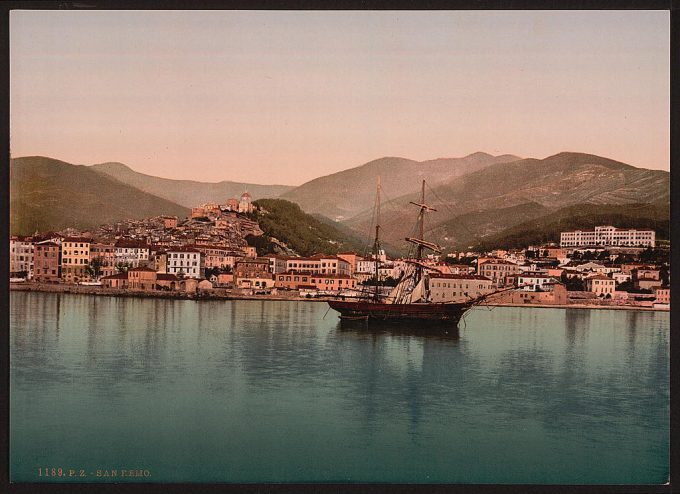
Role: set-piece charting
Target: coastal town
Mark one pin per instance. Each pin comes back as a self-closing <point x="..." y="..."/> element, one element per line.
<point x="208" y="255"/>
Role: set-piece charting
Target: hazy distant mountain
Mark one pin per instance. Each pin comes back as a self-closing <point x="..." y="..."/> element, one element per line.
<point x="552" y="183"/>
<point x="187" y="193"/>
<point x="48" y="194"/>
<point x="347" y="193"/>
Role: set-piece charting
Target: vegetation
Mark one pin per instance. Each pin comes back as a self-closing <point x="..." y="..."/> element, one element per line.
<point x="302" y="232"/>
<point x="94" y="269"/>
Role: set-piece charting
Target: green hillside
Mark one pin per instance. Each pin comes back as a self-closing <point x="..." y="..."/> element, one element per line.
<point x="302" y="232"/>
<point x="48" y="194"/>
<point x="547" y="228"/>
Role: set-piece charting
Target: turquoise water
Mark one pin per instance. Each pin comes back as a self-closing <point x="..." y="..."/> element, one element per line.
<point x="251" y="391"/>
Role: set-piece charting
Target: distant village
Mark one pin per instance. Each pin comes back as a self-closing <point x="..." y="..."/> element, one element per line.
<point x="208" y="254"/>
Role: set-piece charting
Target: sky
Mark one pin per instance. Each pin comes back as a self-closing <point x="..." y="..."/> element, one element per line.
<point x="284" y="97"/>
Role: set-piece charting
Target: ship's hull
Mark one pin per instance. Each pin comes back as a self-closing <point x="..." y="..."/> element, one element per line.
<point x="369" y="311"/>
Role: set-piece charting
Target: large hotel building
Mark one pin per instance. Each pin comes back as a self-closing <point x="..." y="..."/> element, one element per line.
<point x="608" y="236"/>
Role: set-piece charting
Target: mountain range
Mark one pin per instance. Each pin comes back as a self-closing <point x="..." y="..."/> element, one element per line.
<point x="48" y="194"/>
<point x="488" y="201"/>
<point x="480" y="199"/>
<point x="347" y="193"/>
<point x="187" y="193"/>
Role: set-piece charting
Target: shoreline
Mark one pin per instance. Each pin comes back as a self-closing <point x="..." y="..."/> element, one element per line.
<point x="224" y="294"/>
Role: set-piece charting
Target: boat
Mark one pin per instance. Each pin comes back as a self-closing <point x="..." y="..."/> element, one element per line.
<point x="409" y="301"/>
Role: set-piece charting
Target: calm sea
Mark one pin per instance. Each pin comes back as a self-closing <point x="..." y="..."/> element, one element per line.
<point x="251" y="391"/>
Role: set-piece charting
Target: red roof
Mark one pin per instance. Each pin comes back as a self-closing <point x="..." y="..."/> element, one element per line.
<point x="118" y="276"/>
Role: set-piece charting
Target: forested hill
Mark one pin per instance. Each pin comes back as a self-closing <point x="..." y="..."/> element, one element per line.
<point x="301" y="232"/>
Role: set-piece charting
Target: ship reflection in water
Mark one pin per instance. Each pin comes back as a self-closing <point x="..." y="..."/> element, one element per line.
<point x="248" y="391"/>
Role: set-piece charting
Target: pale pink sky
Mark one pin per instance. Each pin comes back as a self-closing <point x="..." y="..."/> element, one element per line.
<point x="284" y="97"/>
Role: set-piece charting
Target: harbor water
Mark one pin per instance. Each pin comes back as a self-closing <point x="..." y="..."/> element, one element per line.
<point x="267" y="391"/>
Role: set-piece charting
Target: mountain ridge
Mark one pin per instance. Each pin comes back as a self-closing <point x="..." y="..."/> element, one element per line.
<point x="558" y="181"/>
<point x="50" y="194"/>
<point x="187" y="193"/>
<point x="346" y="193"/>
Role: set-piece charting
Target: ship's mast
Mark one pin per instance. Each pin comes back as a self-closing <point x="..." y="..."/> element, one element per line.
<point x="421" y="226"/>
<point x="420" y="242"/>
<point x="376" y="242"/>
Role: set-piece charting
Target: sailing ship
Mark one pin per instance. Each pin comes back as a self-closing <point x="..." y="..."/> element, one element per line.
<point x="409" y="301"/>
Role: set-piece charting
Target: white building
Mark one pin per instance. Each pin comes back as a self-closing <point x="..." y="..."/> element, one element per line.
<point x="185" y="260"/>
<point x="133" y="253"/>
<point x="21" y="256"/>
<point x="532" y="282"/>
<point x="245" y="205"/>
<point x="608" y="236"/>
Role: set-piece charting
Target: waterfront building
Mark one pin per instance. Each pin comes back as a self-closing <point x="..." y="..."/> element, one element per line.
<point x="662" y="295"/>
<point x="254" y="282"/>
<point x="608" y="236"/>
<point x="21" y="251"/>
<point x="75" y="259"/>
<point x="185" y="260"/>
<point x="141" y="278"/>
<point x="47" y="262"/>
<point x="319" y="264"/>
<point x="552" y="293"/>
<point x="118" y="280"/>
<point x="600" y="285"/>
<point x="293" y="280"/>
<point x="497" y="270"/>
<point x="532" y="282"/>
<point x="458" y="288"/>
<point x="224" y="279"/>
<point x="167" y="281"/>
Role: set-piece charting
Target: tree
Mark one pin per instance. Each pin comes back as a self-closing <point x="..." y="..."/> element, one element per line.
<point x="122" y="267"/>
<point x="94" y="269"/>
